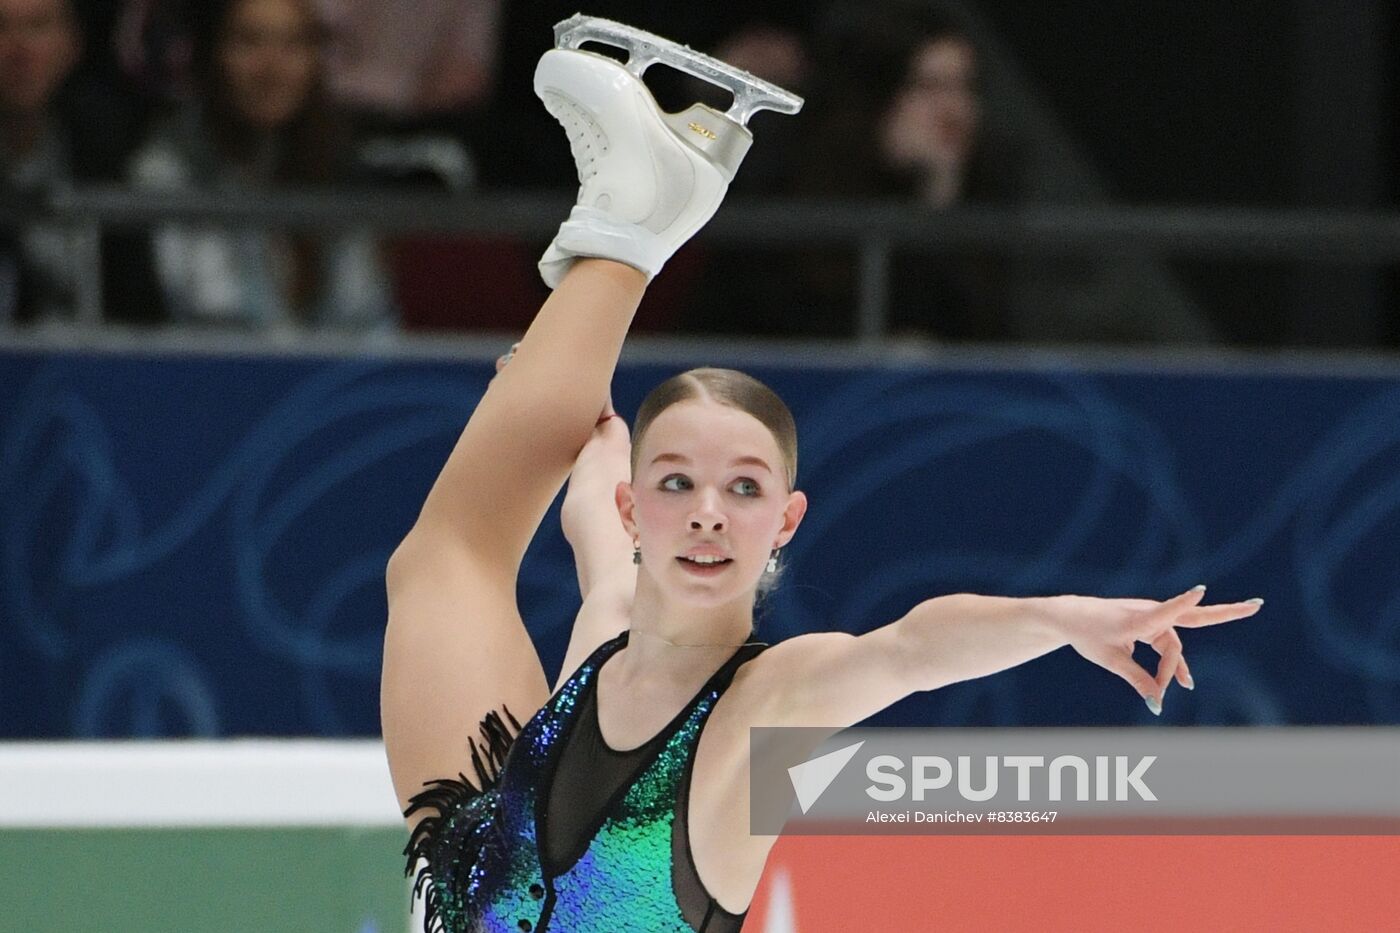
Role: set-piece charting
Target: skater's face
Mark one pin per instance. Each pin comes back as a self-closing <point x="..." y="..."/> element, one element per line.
<point x="38" y="47"/>
<point x="270" y="60"/>
<point x="710" y="480"/>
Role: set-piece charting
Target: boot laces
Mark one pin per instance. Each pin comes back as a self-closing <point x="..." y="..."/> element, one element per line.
<point x="587" y="142"/>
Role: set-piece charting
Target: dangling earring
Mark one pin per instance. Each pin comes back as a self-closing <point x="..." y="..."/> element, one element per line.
<point x="636" y="552"/>
<point x="773" y="561"/>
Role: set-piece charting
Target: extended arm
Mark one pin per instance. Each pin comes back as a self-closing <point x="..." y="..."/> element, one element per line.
<point x="837" y="679"/>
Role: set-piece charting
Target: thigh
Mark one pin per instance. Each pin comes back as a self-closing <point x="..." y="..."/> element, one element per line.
<point x="455" y="650"/>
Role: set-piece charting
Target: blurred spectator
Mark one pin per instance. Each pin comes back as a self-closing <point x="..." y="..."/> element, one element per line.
<point x="754" y="290"/>
<point x="932" y="132"/>
<point x="53" y="134"/>
<point x="413" y="57"/>
<point x="261" y="120"/>
<point x="893" y="110"/>
<point x="38" y="48"/>
<point x="935" y="148"/>
<point x="710" y="287"/>
<point x="903" y="114"/>
<point x="152" y="46"/>
<point x="775" y="51"/>
<point x="421" y="76"/>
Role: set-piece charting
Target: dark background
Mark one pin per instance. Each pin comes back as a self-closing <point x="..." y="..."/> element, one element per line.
<point x="1256" y="103"/>
<point x="1251" y="104"/>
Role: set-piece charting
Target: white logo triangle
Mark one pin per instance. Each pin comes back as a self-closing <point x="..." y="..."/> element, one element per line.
<point x="811" y="778"/>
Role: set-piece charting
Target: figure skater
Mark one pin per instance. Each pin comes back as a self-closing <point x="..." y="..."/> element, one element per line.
<point x="621" y="802"/>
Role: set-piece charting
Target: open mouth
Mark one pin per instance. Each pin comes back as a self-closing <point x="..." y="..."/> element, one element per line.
<point x="707" y="566"/>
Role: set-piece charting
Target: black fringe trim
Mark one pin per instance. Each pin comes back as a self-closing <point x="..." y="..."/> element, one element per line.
<point x="448" y="797"/>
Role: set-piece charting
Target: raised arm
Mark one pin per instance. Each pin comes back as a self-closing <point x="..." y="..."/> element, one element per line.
<point x="607" y="577"/>
<point x="589" y="516"/>
<point x="836" y="679"/>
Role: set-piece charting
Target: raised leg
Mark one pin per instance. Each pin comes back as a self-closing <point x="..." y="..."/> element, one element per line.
<point x="456" y="648"/>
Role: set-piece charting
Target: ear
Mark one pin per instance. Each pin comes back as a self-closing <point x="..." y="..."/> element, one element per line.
<point x="792" y="517"/>
<point x="626" y="507"/>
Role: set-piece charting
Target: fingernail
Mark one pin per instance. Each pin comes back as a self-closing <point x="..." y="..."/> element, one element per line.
<point x="1153" y="705"/>
<point x="1198" y="588"/>
<point x="1258" y="600"/>
<point x="1189" y="682"/>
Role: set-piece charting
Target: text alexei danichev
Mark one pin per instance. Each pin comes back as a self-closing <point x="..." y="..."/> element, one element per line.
<point x="962" y="816"/>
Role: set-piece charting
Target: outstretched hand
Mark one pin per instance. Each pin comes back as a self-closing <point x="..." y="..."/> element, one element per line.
<point x="1105" y="631"/>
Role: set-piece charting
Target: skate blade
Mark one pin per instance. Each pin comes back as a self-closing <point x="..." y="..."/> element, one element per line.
<point x="644" y="49"/>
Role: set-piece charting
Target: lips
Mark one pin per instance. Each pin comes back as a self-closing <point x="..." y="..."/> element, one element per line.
<point x="705" y="569"/>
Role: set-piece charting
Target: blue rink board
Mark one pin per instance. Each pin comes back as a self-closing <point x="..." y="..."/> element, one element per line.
<point x="194" y="545"/>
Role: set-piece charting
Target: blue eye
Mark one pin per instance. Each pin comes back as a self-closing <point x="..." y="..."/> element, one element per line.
<point x="746" y="487"/>
<point x="675" y="483"/>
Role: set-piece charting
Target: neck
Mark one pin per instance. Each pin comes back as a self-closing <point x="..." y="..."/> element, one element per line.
<point x="665" y="632"/>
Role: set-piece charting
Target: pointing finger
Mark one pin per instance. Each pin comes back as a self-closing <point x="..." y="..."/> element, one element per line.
<point x="1164" y="614"/>
<point x="1201" y="616"/>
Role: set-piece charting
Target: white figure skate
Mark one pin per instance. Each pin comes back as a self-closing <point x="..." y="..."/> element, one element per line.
<point x="648" y="179"/>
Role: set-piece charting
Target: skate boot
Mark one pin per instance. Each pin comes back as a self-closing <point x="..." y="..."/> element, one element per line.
<point x="648" y="179"/>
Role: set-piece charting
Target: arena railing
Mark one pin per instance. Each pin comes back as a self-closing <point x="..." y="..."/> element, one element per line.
<point x="872" y="228"/>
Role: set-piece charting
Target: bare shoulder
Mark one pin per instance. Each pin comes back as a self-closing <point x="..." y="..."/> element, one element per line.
<point x="831" y="679"/>
<point x="779" y="664"/>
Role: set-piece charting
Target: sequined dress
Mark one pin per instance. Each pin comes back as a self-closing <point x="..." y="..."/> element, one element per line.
<point x="568" y="835"/>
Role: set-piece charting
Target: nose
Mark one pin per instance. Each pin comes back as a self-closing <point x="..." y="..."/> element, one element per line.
<point x="707" y="516"/>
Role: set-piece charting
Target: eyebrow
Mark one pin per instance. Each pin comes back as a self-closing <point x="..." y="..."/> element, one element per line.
<point x="738" y="461"/>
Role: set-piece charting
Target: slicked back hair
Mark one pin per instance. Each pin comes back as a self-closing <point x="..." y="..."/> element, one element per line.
<point x="727" y="387"/>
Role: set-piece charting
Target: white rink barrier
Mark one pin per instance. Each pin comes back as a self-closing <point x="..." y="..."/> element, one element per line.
<point x="230" y="782"/>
